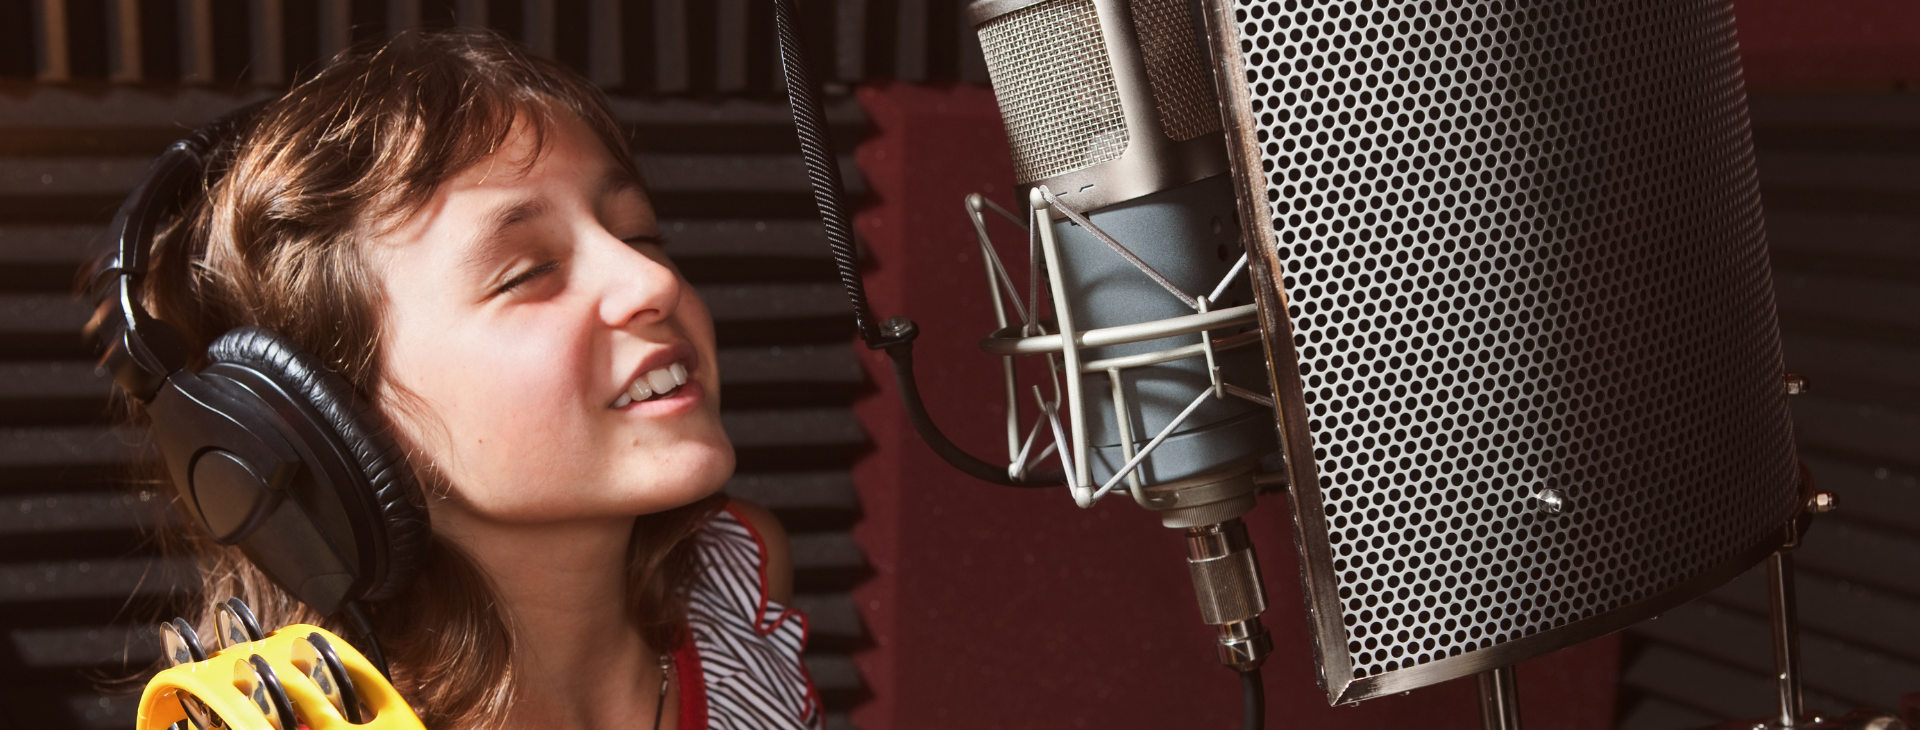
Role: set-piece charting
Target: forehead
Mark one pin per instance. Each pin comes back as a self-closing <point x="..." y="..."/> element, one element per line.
<point x="541" y="145"/>
<point x="536" y="167"/>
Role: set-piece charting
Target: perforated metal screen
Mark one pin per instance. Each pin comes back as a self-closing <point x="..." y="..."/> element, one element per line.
<point x="1055" y="86"/>
<point x="1519" y="249"/>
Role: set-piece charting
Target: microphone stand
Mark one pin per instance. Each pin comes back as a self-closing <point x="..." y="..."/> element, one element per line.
<point x="1784" y="614"/>
<point x="1499" y="699"/>
<point x="1783" y="611"/>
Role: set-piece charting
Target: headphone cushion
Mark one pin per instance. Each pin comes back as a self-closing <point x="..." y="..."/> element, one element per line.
<point x="360" y="428"/>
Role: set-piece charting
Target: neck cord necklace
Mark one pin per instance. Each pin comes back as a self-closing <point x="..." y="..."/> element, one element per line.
<point x="666" y="672"/>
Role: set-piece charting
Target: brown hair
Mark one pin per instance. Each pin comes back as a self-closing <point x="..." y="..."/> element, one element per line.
<point x="279" y="240"/>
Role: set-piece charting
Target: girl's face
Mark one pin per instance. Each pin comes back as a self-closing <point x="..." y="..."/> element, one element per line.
<point x="523" y="302"/>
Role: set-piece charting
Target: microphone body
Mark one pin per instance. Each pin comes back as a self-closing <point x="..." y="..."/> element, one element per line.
<point x="1190" y="235"/>
<point x="1110" y="109"/>
<point x="1200" y="475"/>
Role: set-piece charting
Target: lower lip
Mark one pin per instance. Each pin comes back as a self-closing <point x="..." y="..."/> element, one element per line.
<point x="683" y="399"/>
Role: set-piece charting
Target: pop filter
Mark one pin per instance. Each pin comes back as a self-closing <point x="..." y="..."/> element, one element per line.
<point x="1519" y="316"/>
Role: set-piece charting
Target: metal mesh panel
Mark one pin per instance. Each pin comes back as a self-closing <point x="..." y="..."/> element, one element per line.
<point x="1521" y="250"/>
<point x="1177" y="68"/>
<point x="1055" y="86"/>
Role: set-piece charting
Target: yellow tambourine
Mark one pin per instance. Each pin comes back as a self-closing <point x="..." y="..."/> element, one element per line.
<point x="298" y="676"/>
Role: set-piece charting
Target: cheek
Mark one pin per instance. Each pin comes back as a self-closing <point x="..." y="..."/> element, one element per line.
<point x="512" y="398"/>
<point x="505" y="412"/>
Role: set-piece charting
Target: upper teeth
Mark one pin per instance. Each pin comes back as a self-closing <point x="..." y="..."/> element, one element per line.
<point x="654" y="382"/>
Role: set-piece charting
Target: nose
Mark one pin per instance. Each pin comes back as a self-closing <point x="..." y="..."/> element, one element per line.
<point x="635" y="287"/>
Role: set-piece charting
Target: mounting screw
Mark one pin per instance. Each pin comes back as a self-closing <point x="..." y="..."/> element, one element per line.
<point x="1551" y="501"/>
<point x="896" y="326"/>
<point x="1822" y="503"/>
<point x="1796" y="383"/>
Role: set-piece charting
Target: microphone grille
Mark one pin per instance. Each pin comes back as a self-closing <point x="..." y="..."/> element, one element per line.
<point x="1177" y="69"/>
<point x="1054" y="82"/>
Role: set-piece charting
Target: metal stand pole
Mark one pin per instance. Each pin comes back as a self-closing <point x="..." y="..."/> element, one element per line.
<point x="1786" y="636"/>
<point x="1499" y="699"/>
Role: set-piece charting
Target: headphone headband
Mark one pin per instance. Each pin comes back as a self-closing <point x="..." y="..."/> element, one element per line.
<point x="143" y="350"/>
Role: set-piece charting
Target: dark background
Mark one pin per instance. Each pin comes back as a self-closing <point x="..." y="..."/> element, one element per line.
<point x="934" y="602"/>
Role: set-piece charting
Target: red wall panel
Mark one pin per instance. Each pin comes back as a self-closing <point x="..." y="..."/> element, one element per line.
<point x="1842" y="43"/>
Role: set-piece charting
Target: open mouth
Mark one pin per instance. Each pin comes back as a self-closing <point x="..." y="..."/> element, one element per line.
<point x="654" y="384"/>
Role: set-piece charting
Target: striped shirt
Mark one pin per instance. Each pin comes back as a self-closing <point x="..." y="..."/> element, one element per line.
<point x="742" y="670"/>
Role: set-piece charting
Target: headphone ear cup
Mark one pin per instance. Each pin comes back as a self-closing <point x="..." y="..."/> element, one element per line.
<point x="362" y="432"/>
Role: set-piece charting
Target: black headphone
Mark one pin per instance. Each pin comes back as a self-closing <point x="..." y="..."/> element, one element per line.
<point x="268" y="448"/>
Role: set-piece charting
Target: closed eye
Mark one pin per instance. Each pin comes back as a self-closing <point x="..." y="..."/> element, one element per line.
<point x="526" y="276"/>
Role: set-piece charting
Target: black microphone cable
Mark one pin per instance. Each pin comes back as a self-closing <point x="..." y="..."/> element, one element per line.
<point x="1253" y="699"/>
<point x="897" y="334"/>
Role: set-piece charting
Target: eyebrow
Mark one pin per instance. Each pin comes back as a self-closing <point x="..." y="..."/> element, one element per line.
<point x="619" y="180"/>
<point x="487" y="246"/>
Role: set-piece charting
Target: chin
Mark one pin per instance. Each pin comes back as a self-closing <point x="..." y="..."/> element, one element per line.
<point x="691" y="473"/>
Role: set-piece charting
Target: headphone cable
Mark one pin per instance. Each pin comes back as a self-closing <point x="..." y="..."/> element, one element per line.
<point x="362" y="626"/>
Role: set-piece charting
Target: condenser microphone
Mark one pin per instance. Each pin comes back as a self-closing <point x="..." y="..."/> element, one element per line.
<point x="1115" y="133"/>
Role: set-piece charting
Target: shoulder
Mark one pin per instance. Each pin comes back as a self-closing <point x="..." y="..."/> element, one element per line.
<point x="776" y="555"/>
<point x="746" y="640"/>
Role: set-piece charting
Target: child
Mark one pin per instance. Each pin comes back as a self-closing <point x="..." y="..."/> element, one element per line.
<point x="457" y="229"/>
